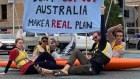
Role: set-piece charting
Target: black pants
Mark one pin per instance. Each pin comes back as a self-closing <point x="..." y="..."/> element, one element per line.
<point x="44" y="60"/>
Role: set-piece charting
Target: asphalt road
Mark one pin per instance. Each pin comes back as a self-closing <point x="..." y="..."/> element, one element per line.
<point x="121" y="74"/>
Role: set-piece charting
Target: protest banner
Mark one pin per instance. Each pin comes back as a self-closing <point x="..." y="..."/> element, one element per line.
<point x="62" y="16"/>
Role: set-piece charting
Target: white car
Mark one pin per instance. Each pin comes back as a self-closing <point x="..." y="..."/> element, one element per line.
<point x="32" y="39"/>
<point x="7" y="41"/>
<point x="79" y="40"/>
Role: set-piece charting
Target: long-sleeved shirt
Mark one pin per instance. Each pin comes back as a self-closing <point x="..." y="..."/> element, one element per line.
<point x="120" y="51"/>
<point x="13" y="55"/>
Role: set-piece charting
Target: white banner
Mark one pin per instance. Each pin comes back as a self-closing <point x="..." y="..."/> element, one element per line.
<point x="62" y="16"/>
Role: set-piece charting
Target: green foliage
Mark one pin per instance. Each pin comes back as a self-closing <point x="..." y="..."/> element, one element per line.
<point x="113" y="16"/>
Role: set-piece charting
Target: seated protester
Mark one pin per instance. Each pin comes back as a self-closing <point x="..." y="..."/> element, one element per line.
<point x="96" y="37"/>
<point x="44" y="47"/>
<point x="24" y="64"/>
<point x="118" y="46"/>
<point x="89" y="66"/>
<point x="54" y="48"/>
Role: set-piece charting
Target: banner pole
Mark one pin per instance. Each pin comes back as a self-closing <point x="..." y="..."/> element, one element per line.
<point x="108" y="13"/>
<point x="48" y="38"/>
<point x="86" y="44"/>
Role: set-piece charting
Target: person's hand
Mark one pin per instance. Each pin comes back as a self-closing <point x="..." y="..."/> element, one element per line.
<point x="118" y="27"/>
<point x="52" y="39"/>
<point x="88" y="57"/>
<point x="102" y="9"/>
<point x="3" y="73"/>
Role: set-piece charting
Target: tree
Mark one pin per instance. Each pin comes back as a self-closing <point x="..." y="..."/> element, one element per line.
<point x="113" y="18"/>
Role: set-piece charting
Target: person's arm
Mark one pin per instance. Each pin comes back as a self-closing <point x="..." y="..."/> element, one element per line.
<point x="8" y="66"/>
<point x="56" y="43"/>
<point x="110" y="34"/>
<point x="93" y="47"/>
<point x="12" y="56"/>
<point x="110" y="31"/>
<point x="102" y="42"/>
<point x="35" y="54"/>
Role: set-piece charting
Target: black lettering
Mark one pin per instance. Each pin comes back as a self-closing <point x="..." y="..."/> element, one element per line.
<point x="74" y="10"/>
<point x="85" y="10"/>
<point x="42" y="23"/>
<point x="77" y="24"/>
<point x="43" y="9"/>
<point x="49" y="10"/>
<point x="38" y="9"/>
<point x="30" y="22"/>
<point x="55" y="9"/>
<point x="80" y="10"/>
<point x="83" y="25"/>
<point x="42" y="0"/>
<point x="69" y="10"/>
<point x="61" y="12"/>
<point x="89" y="25"/>
<point x="47" y="23"/>
<point x="36" y="22"/>
<point x="34" y="0"/>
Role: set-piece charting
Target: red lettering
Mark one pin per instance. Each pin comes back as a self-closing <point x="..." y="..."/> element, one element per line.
<point x="94" y="0"/>
<point x="69" y="25"/>
<point x="58" y="23"/>
<point x="53" y="23"/>
<point x="64" y="24"/>
<point x="61" y="24"/>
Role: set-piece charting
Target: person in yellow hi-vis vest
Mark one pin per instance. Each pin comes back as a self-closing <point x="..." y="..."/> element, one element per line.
<point x="92" y="65"/>
<point x="118" y="46"/>
<point x="44" y="47"/>
<point x="25" y="64"/>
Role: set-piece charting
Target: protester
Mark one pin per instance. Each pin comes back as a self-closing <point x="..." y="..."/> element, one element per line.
<point x="44" y="47"/>
<point x="91" y="66"/>
<point x="24" y="64"/>
<point x="118" y="46"/>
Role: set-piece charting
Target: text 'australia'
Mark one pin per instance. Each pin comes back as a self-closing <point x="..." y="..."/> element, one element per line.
<point x="62" y="10"/>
